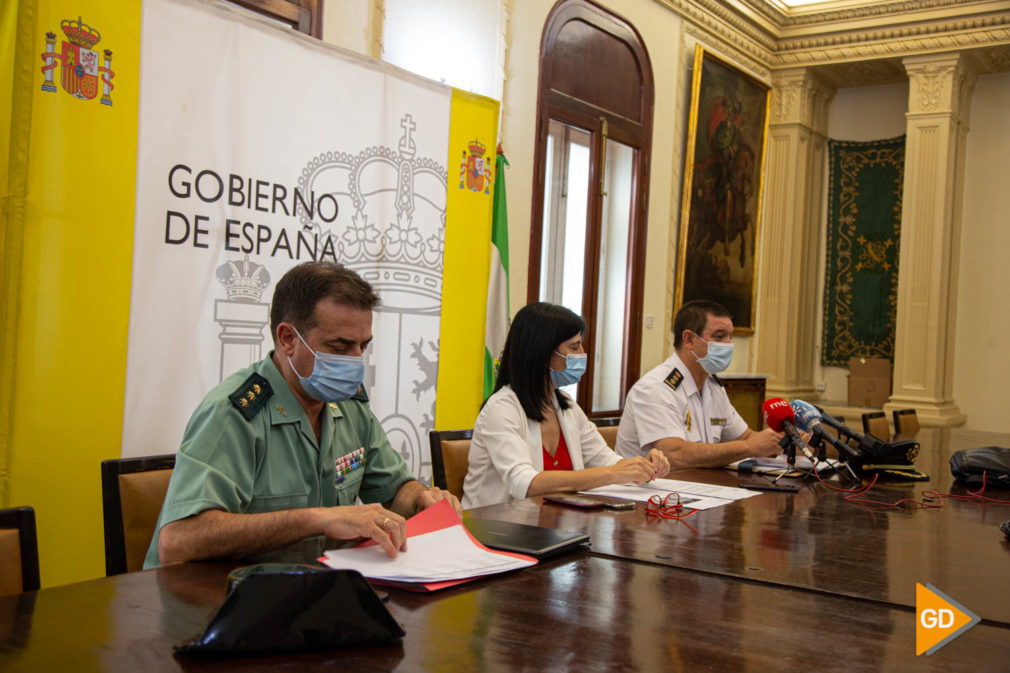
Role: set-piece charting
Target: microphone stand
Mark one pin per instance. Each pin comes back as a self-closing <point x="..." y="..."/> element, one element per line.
<point x="820" y="437"/>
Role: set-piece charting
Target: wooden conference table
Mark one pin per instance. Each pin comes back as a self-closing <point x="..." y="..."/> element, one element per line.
<point x="778" y="582"/>
<point x="815" y="540"/>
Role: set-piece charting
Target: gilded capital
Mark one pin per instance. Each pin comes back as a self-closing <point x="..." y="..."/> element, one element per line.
<point x="941" y="84"/>
<point x="799" y="97"/>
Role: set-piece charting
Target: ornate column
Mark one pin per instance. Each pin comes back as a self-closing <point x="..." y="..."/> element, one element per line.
<point x="793" y="192"/>
<point x="939" y="97"/>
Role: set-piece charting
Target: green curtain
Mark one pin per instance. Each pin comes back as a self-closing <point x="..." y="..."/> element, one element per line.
<point x="861" y="268"/>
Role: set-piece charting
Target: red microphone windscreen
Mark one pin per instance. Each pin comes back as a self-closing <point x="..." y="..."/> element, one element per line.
<point x="777" y="411"/>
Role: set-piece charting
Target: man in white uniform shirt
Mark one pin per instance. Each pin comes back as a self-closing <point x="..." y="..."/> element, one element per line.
<point x="681" y="408"/>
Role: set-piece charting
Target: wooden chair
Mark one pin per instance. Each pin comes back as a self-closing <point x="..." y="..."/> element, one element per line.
<point x="19" y="551"/>
<point x="450" y="459"/>
<point x="608" y="428"/>
<point x="133" y="490"/>
<point x="875" y="423"/>
<point x="906" y="422"/>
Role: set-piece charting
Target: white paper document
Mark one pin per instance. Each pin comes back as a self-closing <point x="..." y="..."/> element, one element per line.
<point x="692" y="494"/>
<point x="447" y="554"/>
<point x="779" y="464"/>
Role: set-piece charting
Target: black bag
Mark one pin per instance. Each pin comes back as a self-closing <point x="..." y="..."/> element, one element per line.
<point x="294" y="608"/>
<point x="968" y="466"/>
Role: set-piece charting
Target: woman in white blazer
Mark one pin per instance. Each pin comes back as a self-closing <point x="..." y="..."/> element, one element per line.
<point x="530" y="438"/>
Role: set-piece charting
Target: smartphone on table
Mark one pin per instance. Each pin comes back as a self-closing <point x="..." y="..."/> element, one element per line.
<point x="585" y="502"/>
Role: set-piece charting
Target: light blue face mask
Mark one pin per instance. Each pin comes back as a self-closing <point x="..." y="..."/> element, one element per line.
<point x="719" y="356"/>
<point x="334" y="378"/>
<point x="575" y="367"/>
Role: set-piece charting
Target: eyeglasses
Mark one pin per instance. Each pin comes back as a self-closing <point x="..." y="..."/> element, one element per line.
<point x="667" y="507"/>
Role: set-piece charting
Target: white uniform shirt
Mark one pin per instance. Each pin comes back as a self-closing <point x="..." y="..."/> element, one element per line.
<point x="667" y="403"/>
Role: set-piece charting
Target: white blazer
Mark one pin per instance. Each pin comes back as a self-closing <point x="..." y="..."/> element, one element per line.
<point x="506" y="451"/>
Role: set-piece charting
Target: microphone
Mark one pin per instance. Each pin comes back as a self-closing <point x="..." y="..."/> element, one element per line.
<point x="866" y="444"/>
<point x="864" y="452"/>
<point x="780" y="417"/>
<point x="808" y="418"/>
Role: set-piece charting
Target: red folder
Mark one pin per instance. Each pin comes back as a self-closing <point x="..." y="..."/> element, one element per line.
<point x="437" y="517"/>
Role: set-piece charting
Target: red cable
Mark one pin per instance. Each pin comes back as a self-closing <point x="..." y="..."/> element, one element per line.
<point x="854" y="494"/>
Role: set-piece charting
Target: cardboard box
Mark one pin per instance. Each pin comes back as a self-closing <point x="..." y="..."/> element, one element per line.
<point x="869" y="382"/>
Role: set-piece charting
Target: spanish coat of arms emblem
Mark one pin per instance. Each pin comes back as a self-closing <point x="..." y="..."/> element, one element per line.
<point x="82" y="75"/>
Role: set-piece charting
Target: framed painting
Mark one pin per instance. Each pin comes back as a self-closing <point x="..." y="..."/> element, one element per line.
<point x="723" y="179"/>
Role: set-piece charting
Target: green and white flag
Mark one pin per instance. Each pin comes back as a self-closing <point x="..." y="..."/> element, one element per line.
<point x="497" y="325"/>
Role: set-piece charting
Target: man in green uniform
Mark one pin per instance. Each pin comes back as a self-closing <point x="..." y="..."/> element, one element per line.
<point x="279" y="451"/>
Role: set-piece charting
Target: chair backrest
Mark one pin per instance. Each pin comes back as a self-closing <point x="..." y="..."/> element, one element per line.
<point x="875" y="423"/>
<point x="906" y="421"/>
<point x="133" y="490"/>
<point x="19" y="551"/>
<point x="608" y="429"/>
<point x="450" y="459"/>
<point x="609" y="433"/>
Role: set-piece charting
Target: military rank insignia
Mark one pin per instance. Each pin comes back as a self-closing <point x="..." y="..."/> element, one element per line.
<point x="251" y="396"/>
<point x="674" y="379"/>
<point x="718" y="421"/>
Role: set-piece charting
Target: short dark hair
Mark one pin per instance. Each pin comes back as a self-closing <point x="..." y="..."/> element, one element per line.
<point x="302" y="287"/>
<point x="535" y="334"/>
<point x="693" y="316"/>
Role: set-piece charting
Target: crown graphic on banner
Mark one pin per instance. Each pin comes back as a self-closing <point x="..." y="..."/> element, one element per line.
<point x="393" y="233"/>
<point x="80" y="33"/>
<point x="477" y="148"/>
<point x="243" y="281"/>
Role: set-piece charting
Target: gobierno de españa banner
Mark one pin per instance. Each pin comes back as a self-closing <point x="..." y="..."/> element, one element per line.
<point x="259" y="149"/>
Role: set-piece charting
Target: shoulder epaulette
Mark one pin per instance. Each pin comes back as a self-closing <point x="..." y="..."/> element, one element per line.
<point x="252" y="395"/>
<point x="674" y="379"/>
<point x="361" y="395"/>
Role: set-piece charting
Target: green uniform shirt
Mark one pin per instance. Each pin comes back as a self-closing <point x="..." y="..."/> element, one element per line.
<point x="271" y="461"/>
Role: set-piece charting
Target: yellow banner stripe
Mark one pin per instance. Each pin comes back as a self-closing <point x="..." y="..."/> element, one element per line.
<point x="467" y="259"/>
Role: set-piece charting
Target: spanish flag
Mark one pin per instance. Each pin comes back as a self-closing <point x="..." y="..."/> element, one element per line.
<point x="66" y="231"/>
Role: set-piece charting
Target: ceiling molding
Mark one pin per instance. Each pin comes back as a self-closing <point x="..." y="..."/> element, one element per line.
<point x="890" y="45"/>
<point x="764" y="37"/>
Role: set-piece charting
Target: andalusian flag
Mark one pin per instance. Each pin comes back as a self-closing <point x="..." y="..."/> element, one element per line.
<point x="497" y="325"/>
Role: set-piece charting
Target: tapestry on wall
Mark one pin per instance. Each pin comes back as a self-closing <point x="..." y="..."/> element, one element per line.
<point x="861" y="268"/>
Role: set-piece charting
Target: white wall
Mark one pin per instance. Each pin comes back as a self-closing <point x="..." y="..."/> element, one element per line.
<point x="348" y="24"/>
<point x="982" y="347"/>
<point x="449" y="41"/>
<point x="859" y="114"/>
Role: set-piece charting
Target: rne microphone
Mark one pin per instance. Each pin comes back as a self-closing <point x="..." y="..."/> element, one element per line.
<point x="780" y="417"/>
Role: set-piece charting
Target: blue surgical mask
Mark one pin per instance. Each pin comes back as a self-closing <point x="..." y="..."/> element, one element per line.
<point x="334" y="378"/>
<point x="719" y="356"/>
<point x="575" y="367"/>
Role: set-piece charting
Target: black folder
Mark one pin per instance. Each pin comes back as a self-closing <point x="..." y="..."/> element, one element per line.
<point x="525" y="539"/>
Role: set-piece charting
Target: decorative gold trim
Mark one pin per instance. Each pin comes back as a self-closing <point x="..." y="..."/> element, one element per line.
<point x="806" y="17"/>
<point x="700" y="54"/>
<point x="762" y="38"/>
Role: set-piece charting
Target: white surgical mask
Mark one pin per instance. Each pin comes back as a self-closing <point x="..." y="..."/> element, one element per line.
<point x="334" y="378"/>
<point x="575" y="367"/>
<point x="719" y="356"/>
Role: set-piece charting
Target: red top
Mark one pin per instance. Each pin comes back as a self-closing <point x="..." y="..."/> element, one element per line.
<point x="560" y="460"/>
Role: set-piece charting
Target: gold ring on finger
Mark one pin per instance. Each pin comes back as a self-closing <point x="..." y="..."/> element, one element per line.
<point x="384" y="522"/>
